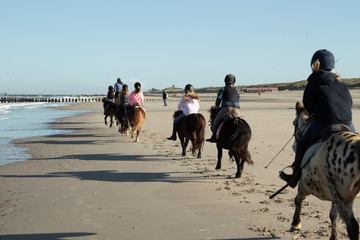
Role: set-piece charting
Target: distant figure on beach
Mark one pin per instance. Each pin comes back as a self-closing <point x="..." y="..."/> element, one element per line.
<point x="189" y="104"/>
<point x="110" y="97"/>
<point x="165" y="96"/>
<point x="124" y="99"/>
<point x="118" y="88"/>
<point x="229" y="98"/>
<point x="329" y="102"/>
<point x="136" y="97"/>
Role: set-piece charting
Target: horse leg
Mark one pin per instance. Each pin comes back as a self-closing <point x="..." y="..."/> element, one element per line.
<point x="199" y="153"/>
<point x="334" y="217"/>
<point x="105" y="118"/>
<point x="137" y="134"/>
<point x="240" y="166"/>
<point x="111" y="121"/>
<point x="296" y="223"/>
<point x="219" y="148"/>
<point x="347" y="215"/>
<point x="183" y="145"/>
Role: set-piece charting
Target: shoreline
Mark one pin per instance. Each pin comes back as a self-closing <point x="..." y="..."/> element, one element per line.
<point x="94" y="183"/>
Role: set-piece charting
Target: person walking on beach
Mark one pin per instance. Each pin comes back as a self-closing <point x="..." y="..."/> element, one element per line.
<point x="327" y="100"/>
<point x="165" y="96"/>
<point x="118" y="88"/>
<point x="136" y="97"/>
<point x="229" y="98"/>
<point x="189" y="104"/>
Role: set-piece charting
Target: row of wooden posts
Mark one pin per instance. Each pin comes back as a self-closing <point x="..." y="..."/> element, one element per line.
<point x="20" y="99"/>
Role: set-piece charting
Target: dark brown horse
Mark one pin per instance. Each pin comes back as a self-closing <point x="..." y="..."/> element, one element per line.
<point x="235" y="135"/>
<point x="136" y="116"/>
<point x="110" y="111"/>
<point x="123" y="122"/>
<point x="191" y="127"/>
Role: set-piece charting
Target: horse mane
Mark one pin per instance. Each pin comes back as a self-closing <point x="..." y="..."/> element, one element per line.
<point x="177" y="113"/>
<point x="214" y="110"/>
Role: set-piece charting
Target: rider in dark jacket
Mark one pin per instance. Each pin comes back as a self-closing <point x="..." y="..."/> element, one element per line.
<point x="328" y="100"/>
<point x="229" y="98"/>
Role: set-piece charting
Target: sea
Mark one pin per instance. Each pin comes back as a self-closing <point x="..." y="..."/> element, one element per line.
<point x="25" y="120"/>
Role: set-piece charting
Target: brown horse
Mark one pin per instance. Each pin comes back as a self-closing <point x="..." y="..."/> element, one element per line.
<point x="110" y="111"/>
<point x="136" y="116"/>
<point x="332" y="174"/>
<point x="191" y="127"/>
<point x="235" y="135"/>
<point x="123" y="122"/>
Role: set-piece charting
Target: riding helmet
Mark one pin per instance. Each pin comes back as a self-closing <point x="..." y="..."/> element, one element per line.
<point x="229" y="79"/>
<point x="326" y="59"/>
<point x="189" y="88"/>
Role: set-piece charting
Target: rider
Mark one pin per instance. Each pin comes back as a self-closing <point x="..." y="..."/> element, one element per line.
<point x="124" y="98"/>
<point x="328" y="100"/>
<point x="117" y="87"/>
<point x="189" y="104"/>
<point x="229" y="97"/>
<point x="136" y="97"/>
<point x="110" y="97"/>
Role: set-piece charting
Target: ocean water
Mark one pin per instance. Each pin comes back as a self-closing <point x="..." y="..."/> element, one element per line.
<point x="24" y="120"/>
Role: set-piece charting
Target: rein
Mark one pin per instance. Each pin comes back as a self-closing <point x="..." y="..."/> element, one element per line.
<point x="302" y="127"/>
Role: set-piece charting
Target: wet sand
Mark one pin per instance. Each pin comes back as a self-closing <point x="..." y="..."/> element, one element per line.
<point x="94" y="183"/>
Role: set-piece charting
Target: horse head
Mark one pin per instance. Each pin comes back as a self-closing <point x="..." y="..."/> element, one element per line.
<point x="214" y="110"/>
<point x="301" y="122"/>
<point x="177" y="113"/>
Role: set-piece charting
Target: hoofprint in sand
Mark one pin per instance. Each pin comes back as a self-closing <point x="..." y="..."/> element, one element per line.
<point x="94" y="183"/>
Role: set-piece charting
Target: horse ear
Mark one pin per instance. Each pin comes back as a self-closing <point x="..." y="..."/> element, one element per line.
<point x="299" y="107"/>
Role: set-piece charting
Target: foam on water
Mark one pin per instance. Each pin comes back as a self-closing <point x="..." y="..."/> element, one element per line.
<point x="25" y="120"/>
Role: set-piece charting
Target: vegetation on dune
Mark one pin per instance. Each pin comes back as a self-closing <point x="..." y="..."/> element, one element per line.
<point x="299" y="85"/>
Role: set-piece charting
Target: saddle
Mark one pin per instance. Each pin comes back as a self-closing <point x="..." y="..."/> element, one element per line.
<point x="325" y="135"/>
<point x="139" y="106"/>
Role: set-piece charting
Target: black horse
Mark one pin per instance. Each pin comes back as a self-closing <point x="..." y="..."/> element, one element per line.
<point x="234" y="135"/>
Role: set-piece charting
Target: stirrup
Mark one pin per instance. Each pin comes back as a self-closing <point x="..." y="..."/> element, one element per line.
<point x="282" y="173"/>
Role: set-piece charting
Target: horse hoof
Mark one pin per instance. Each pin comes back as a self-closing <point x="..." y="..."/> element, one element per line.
<point x="295" y="228"/>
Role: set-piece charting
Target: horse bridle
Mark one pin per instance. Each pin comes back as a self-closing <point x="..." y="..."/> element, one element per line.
<point x="299" y="130"/>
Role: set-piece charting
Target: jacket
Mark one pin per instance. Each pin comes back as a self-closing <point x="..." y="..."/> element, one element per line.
<point x="327" y="99"/>
<point x="228" y="97"/>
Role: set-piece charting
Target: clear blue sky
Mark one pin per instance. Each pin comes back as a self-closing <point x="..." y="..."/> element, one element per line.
<point x="82" y="46"/>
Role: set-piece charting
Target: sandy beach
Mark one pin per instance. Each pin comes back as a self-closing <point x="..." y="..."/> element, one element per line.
<point x="95" y="183"/>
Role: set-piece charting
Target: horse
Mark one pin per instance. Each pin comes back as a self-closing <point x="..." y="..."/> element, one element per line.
<point x="191" y="127"/>
<point x="110" y="111"/>
<point x="331" y="174"/>
<point x="135" y="116"/>
<point x="234" y="135"/>
<point x="121" y="121"/>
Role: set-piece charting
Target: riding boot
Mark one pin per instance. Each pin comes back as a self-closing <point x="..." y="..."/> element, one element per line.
<point x="173" y="136"/>
<point x="293" y="179"/>
<point x="213" y="138"/>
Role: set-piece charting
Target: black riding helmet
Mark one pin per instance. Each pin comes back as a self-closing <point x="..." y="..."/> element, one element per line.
<point x="229" y="79"/>
<point x="188" y="88"/>
<point x="326" y="59"/>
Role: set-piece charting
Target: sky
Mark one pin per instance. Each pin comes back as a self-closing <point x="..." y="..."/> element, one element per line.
<point x="83" y="46"/>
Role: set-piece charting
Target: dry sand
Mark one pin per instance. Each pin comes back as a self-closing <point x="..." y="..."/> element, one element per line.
<point x="94" y="183"/>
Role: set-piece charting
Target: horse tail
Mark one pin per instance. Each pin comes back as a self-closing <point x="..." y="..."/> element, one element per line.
<point x="199" y="134"/>
<point x="240" y="140"/>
